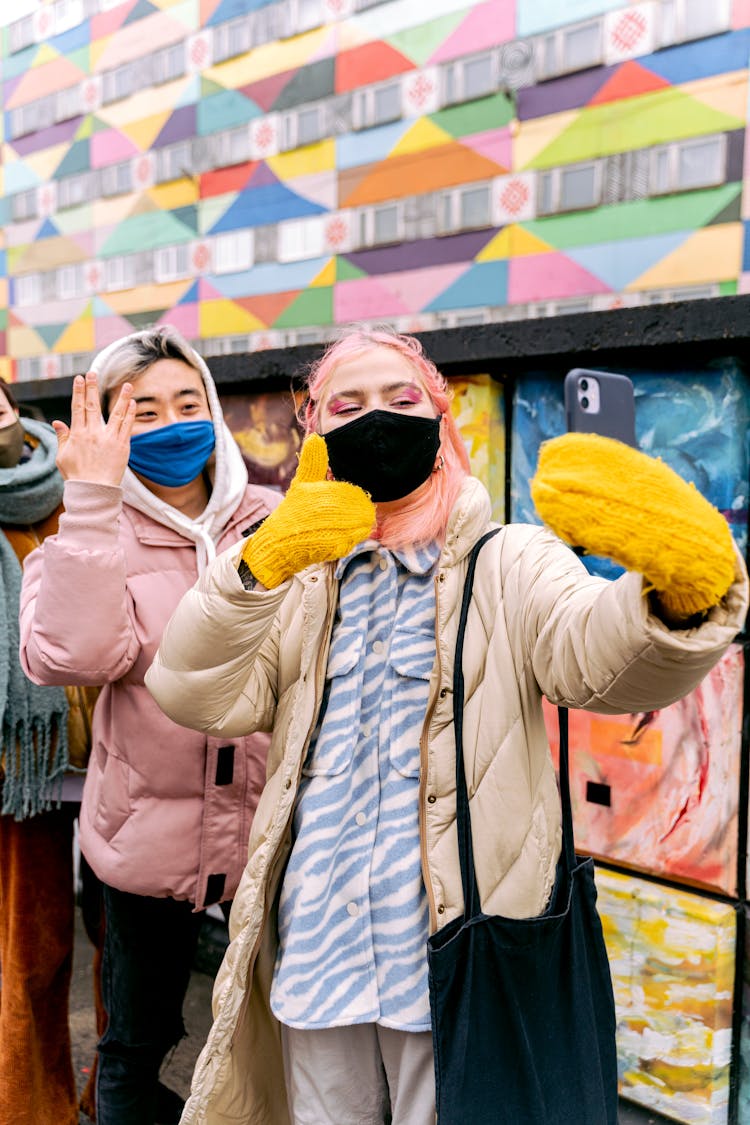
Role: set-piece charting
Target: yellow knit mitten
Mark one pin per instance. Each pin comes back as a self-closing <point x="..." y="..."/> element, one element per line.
<point x="318" y="520"/>
<point x="609" y="499"/>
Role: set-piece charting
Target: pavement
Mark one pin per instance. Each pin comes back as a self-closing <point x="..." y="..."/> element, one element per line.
<point x="178" y="1067"/>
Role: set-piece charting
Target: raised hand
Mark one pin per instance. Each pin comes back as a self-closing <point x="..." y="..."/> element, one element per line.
<point x="612" y="500"/>
<point x="317" y="521"/>
<point x="90" y="449"/>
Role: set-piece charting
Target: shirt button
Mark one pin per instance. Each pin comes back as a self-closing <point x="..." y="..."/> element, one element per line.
<point x="352" y="909"/>
<point x="383" y="564"/>
<point x="377" y="647"/>
<point x="443" y="692"/>
<point x="431" y="799"/>
<point x="361" y="819"/>
<point x="441" y="908"/>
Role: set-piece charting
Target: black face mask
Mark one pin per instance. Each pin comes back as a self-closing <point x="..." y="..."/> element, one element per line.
<point x="387" y="454"/>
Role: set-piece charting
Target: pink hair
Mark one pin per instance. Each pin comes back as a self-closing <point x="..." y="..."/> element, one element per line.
<point x="423" y="517"/>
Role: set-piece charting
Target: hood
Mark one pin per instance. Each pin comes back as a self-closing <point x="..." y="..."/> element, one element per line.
<point x="229" y="476"/>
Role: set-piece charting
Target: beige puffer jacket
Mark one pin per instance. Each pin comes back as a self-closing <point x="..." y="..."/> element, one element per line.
<point x="233" y="661"/>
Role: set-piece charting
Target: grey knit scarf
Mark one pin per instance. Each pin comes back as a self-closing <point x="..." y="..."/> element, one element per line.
<point x="34" y="719"/>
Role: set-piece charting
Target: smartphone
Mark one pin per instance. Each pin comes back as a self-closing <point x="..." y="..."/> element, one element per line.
<point x="600" y="402"/>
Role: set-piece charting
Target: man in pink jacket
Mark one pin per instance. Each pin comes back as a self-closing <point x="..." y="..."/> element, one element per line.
<point x="150" y="497"/>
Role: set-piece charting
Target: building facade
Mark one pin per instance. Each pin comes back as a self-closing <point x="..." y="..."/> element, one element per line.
<point x="257" y="173"/>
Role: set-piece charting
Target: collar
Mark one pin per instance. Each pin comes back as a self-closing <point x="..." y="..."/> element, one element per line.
<point x="417" y="560"/>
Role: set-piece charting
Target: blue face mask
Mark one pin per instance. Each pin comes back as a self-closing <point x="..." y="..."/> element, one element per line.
<point x="173" y="455"/>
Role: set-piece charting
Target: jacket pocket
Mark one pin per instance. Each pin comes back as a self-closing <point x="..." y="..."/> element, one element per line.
<point x="112" y="797"/>
<point x="337" y="728"/>
<point x="410" y="662"/>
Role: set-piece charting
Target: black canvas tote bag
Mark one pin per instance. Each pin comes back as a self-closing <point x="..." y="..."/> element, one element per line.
<point x="523" y="1017"/>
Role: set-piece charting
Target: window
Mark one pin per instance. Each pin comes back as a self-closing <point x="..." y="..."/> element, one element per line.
<point x="686" y="165"/>
<point x="377" y="105"/>
<point x="303" y="127"/>
<point x="470" y="78"/>
<point x="174" y="162"/>
<point x="33" y="116"/>
<point x="21" y="34"/>
<point x="570" y="48"/>
<point x="68" y="103"/>
<point x="23" y="205"/>
<point x="692" y="19"/>
<point x="69" y="282"/>
<point x="73" y="190"/>
<point x="301" y="238"/>
<point x="305" y="14"/>
<point x="75" y="363"/>
<point x="28" y="289"/>
<point x="29" y="367"/>
<point x="171" y="263"/>
<point x="117" y="179"/>
<point x="168" y="63"/>
<point x="68" y="14"/>
<point x="464" y="208"/>
<point x="233" y="146"/>
<point x="232" y="38"/>
<point x="120" y="272"/>
<point x="570" y="189"/>
<point x="118" y="83"/>
<point x="233" y="251"/>
<point x="265" y="25"/>
<point x="379" y="225"/>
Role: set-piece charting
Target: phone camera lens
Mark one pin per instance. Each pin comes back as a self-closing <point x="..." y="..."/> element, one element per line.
<point x="585" y="403"/>
<point x="584" y="384"/>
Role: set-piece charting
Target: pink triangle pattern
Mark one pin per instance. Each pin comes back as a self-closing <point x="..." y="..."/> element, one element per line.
<point x="544" y="277"/>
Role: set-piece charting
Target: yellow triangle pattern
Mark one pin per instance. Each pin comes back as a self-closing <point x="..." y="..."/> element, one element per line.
<point x="327" y="275"/>
<point x="513" y="242"/>
<point x="424" y="134"/>
<point x="80" y="336"/>
<point x="711" y="254"/>
<point x="44" y="55"/>
<point x="225" y="318"/>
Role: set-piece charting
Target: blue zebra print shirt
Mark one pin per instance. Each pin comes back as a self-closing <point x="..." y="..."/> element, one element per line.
<point x="353" y="914"/>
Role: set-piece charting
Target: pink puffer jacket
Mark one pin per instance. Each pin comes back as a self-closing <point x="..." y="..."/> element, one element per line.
<point x="166" y="811"/>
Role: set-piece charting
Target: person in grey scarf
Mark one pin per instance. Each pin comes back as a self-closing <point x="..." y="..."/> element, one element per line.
<point x="43" y="733"/>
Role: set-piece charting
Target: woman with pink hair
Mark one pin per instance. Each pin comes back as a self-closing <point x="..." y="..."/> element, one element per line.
<point x="334" y="627"/>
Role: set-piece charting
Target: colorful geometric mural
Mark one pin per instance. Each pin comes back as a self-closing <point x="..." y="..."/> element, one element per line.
<point x="672" y="957"/>
<point x="660" y="791"/>
<point x="256" y="172"/>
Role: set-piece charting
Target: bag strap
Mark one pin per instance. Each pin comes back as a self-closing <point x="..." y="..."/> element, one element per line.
<point x="472" y="905"/>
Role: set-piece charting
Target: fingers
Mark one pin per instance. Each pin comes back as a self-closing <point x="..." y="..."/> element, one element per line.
<point x="85" y="409"/>
<point x="91" y="398"/>
<point x="123" y="413"/>
<point x="77" y="402"/>
<point x="313" y="461"/>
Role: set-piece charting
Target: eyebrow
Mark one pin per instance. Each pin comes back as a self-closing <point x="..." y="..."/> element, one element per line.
<point x="388" y="389"/>
<point x="180" y="394"/>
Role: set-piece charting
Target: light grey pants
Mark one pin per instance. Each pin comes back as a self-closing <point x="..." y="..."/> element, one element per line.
<point x="359" y="1075"/>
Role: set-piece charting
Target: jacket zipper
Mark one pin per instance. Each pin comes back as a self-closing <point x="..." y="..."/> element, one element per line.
<point x="423" y="762"/>
<point x="319" y="681"/>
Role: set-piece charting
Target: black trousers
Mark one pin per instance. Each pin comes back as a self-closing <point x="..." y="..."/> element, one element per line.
<point x="149" y="947"/>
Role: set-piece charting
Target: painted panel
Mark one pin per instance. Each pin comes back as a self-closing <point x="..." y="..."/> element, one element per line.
<point x="743" y="1077"/>
<point x="660" y="791"/>
<point x="696" y="421"/>
<point x="672" y="957"/>
<point x="478" y="409"/>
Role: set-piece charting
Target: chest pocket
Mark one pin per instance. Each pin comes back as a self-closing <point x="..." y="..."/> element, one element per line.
<point x="410" y="664"/>
<point x="335" y="736"/>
